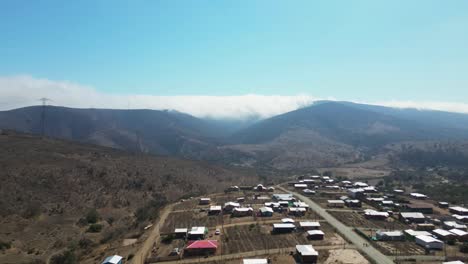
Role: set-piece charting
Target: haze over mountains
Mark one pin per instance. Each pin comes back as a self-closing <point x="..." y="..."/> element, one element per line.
<point x="322" y="134"/>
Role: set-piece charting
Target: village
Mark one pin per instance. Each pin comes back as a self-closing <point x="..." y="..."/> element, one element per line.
<point x="311" y="219"/>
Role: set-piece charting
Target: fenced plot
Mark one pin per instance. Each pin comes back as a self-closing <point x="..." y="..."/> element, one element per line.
<point x="354" y="219"/>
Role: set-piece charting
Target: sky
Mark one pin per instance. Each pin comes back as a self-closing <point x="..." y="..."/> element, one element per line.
<point x="234" y="58"/>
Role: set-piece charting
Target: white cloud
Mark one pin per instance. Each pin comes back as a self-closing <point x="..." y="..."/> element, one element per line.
<point x="20" y="91"/>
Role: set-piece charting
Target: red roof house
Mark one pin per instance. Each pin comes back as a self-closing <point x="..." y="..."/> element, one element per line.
<point x="201" y="247"/>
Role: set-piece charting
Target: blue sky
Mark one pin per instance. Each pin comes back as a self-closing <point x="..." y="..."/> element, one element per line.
<point x="349" y="50"/>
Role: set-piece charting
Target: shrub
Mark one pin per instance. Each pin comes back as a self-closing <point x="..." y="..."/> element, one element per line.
<point x="464" y="248"/>
<point x="95" y="228"/>
<point x="85" y="243"/>
<point x="92" y="216"/>
<point x="67" y="257"/>
<point x="167" y="239"/>
<point x="5" y="245"/>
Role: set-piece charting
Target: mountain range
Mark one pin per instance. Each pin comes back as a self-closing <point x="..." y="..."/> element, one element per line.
<point x="323" y="134"/>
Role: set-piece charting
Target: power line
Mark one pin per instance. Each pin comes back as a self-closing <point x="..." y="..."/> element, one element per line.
<point x="44" y="103"/>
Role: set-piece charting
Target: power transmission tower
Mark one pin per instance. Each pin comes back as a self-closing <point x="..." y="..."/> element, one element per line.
<point x="44" y="103"/>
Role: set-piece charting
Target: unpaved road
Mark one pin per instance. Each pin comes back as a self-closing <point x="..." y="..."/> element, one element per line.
<point x="345" y="231"/>
<point x="145" y="248"/>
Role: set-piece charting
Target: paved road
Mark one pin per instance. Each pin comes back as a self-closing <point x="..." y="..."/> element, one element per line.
<point x="250" y="254"/>
<point x="346" y="231"/>
<point x="145" y="249"/>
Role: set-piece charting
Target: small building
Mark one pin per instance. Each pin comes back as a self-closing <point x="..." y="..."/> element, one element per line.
<point x="443" y="234"/>
<point x="283" y="197"/>
<point x="297" y="211"/>
<point x="204" y="201"/>
<point x="201" y="247"/>
<point x="309" y="225"/>
<point x="197" y="232"/>
<point x="452" y="224"/>
<point x="458" y="210"/>
<point x="283" y="228"/>
<point x="425" y="227"/>
<point x="418" y="196"/>
<point x="390" y="235"/>
<point x="255" y="261"/>
<point x="355" y="193"/>
<point x="412" y="217"/>
<point x="412" y="233"/>
<point x="240" y="199"/>
<point x="300" y="204"/>
<point x="336" y="203"/>
<point x="229" y="206"/>
<point x="398" y="191"/>
<point x="460" y="235"/>
<point x="115" y="259"/>
<point x="429" y="242"/>
<point x="315" y="235"/>
<point x="372" y="214"/>
<point x="443" y="204"/>
<point x="233" y="188"/>
<point x="306" y="254"/>
<point x="425" y="209"/>
<point x="180" y="232"/>
<point x="300" y="186"/>
<point x="288" y="220"/>
<point x="453" y="262"/>
<point x="260" y="188"/>
<point x="387" y="203"/>
<point x="215" y="209"/>
<point x="271" y="189"/>
<point x="360" y="184"/>
<point x="242" y="211"/>
<point x="308" y="192"/>
<point x="461" y="218"/>
<point x="369" y="189"/>
<point x="353" y="203"/>
<point x="283" y="203"/>
<point x="266" y="211"/>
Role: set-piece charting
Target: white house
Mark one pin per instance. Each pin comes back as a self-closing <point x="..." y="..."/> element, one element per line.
<point x="255" y="261"/>
<point x="453" y="224"/>
<point x="390" y="235"/>
<point x="309" y="225"/>
<point x="429" y="242"/>
<point x="115" y="259"/>
<point x="418" y="196"/>
<point x="458" y="210"/>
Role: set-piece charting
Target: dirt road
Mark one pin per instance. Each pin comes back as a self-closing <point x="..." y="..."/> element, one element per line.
<point x="345" y="231"/>
<point x="145" y="248"/>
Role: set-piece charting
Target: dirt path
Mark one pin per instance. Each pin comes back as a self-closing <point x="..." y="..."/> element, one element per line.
<point x="252" y="254"/>
<point x="346" y="231"/>
<point x="145" y="248"/>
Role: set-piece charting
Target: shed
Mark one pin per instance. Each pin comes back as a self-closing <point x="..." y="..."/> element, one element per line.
<point x="372" y="214"/>
<point x="180" y="232"/>
<point x="229" y="206"/>
<point x="453" y="224"/>
<point x="266" y="211"/>
<point x="458" y="210"/>
<point x="197" y="232"/>
<point x="315" y="235"/>
<point x="205" y="201"/>
<point x="418" y="196"/>
<point x="300" y="186"/>
<point x="390" y="235"/>
<point x="425" y="227"/>
<point x="412" y="233"/>
<point x="115" y="259"/>
<point x="429" y="242"/>
<point x="283" y="228"/>
<point x="412" y="217"/>
<point x="309" y="225"/>
<point x="214" y="210"/>
<point x="425" y="209"/>
<point x="335" y="203"/>
<point x="308" y="192"/>
<point x="242" y="211"/>
<point x="255" y="261"/>
<point x="353" y="203"/>
<point x="443" y="204"/>
<point x="288" y="220"/>
<point x="443" y="234"/>
<point x="297" y="211"/>
<point x="460" y="235"/>
<point x="306" y="254"/>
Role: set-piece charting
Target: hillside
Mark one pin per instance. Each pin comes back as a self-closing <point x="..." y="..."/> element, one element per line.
<point x="49" y="186"/>
<point x="152" y="131"/>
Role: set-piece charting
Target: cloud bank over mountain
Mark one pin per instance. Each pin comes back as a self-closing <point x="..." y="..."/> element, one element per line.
<point x="24" y="90"/>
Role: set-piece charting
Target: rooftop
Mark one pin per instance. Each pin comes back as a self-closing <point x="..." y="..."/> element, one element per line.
<point x="112" y="259"/>
<point x="428" y="239"/>
<point x="306" y="250"/>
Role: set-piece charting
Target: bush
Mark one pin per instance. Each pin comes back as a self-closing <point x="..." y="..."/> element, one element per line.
<point x="464" y="248"/>
<point x="5" y="245"/>
<point x="85" y="243"/>
<point x="167" y="239"/>
<point x="92" y="216"/>
<point x="67" y="257"/>
<point x="95" y="228"/>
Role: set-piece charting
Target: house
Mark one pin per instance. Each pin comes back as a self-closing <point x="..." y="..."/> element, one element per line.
<point x="355" y="193"/>
<point x="412" y="217"/>
<point x="443" y="234"/>
<point x="335" y="203"/>
<point x="461" y="218"/>
<point x="309" y="225"/>
<point x="297" y="211"/>
<point x="460" y="235"/>
<point x="229" y="206"/>
<point x="242" y="211"/>
<point x="418" y="196"/>
<point x="398" y="191"/>
<point x="306" y="254"/>
<point x="214" y="210"/>
<point x="240" y="199"/>
<point x="425" y="227"/>
<point x="443" y="204"/>
<point x="315" y="235"/>
<point x="180" y="232"/>
<point x="255" y="261"/>
<point x="201" y="247"/>
<point x="453" y="224"/>
<point x="283" y="228"/>
<point x="425" y="209"/>
<point x="369" y="189"/>
<point x="458" y="210"/>
<point x="353" y="203"/>
<point x="429" y="242"/>
<point x="283" y="197"/>
<point x="300" y="186"/>
<point x="412" y="233"/>
<point x="259" y="188"/>
<point x="197" y="232"/>
<point x="390" y="235"/>
<point x="308" y="192"/>
<point x="387" y="203"/>
<point x="288" y="220"/>
<point x="204" y="201"/>
<point x="266" y="211"/>
<point x="115" y="259"/>
<point x="372" y="214"/>
<point x="283" y="203"/>
<point x="233" y="188"/>
<point x="360" y="184"/>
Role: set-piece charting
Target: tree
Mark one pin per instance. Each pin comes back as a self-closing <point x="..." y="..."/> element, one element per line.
<point x="92" y="216"/>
